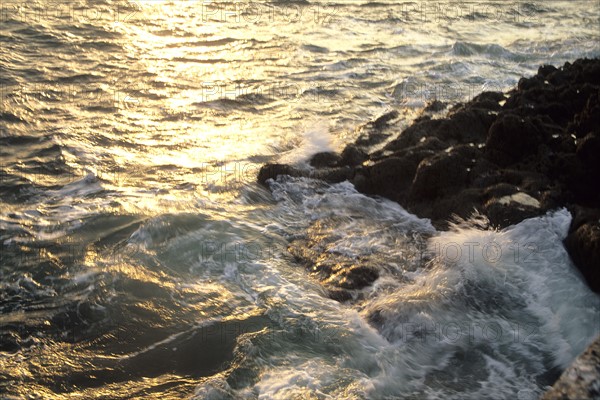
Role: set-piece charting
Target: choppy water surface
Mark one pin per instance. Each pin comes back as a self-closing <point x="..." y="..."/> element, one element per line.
<point x="139" y="258"/>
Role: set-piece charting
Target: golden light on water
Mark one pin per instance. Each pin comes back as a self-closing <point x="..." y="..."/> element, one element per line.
<point x="175" y="95"/>
<point x="141" y="259"/>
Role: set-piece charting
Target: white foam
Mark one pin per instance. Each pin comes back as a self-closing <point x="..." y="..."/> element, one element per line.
<point x="485" y="314"/>
<point x="316" y="138"/>
<point x="521" y="305"/>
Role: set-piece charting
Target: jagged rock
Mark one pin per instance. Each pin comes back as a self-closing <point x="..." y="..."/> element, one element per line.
<point x="436" y="106"/>
<point x="510" y="138"/>
<point x="352" y="155"/>
<point x="271" y="171"/>
<point x="581" y="380"/>
<point x="384" y="120"/>
<point x="583" y="244"/>
<point x="391" y="177"/>
<point x="325" y="159"/>
<point x="443" y="174"/>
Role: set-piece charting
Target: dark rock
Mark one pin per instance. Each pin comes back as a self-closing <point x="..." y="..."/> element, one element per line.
<point x="425" y="147"/>
<point x="443" y="174"/>
<point x="436" y="106"/>
<point x="339" y="295"/>
<point x="500" y="190"/>
<point x="588" y="151"/>
<point x="335" y="270"/>
<point x="374" y="132"/>
<point x="353" y="277"/>
<point x="545" y="70"/>
<point x="488" y="101"/>
<point x="9" y="342"/>
<point x="465" y="126"/>
<point x="501" y="215"/>
<point x="371" y="138"/>
<point x="441" y="210"/>
<point x="390" y="177"/>
<point x="589" y="119"/>
<point x="421" y="128"/>
<point x="385" y="119"/>
<point x="332" y="175"/>
<point x="511" y="138"/>
<point x="325" y="159"/>
<point x="271" y="171"/>
<point x="583" y="245"/>
<point x="352" y="155"/>
<point x="529" y="83"/>
<point x="570" y="173"/>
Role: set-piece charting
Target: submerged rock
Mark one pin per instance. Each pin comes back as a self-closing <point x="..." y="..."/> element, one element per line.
<point x="342" y="275"/>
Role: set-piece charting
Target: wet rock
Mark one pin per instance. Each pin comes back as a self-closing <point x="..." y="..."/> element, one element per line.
<point x="375" y="132"/>
<point x="510" y="138"/>
<point x="488" y="101"/>
<point x="390" y="177"/>
<point x="583" y="244"/>
<point x="353" y="276"/>
<point x="507" y="204"/>
<point x="443" y="174"/>
<point x="385" y="119"/>
<point x="341" y="274"/>
<point x="332" y="175"/>
<point x="371" y="138"/>
<point x="468" y="125"/>
<point x="545" y="70"/>
<point x="339" y="295"/>
<point x="588" y="151"/>
<point x="271" y="171"/>
<point x="335" y="271"/>
<point x="425" y="147"/>
<point x="505" y="214"/>
<point x="435" y="106"/>
<point x="325" y="159"/>
<point x="441" y="210"/>
<point x="10" y="342"/>
<point x="421" y="128"/>
<point x="352" y="155"/>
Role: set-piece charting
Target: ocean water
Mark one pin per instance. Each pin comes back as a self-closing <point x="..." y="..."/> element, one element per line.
<point x="139" y="258"/>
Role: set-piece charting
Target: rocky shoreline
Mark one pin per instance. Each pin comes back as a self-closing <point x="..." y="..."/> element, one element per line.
<point x="508" y="156"/>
